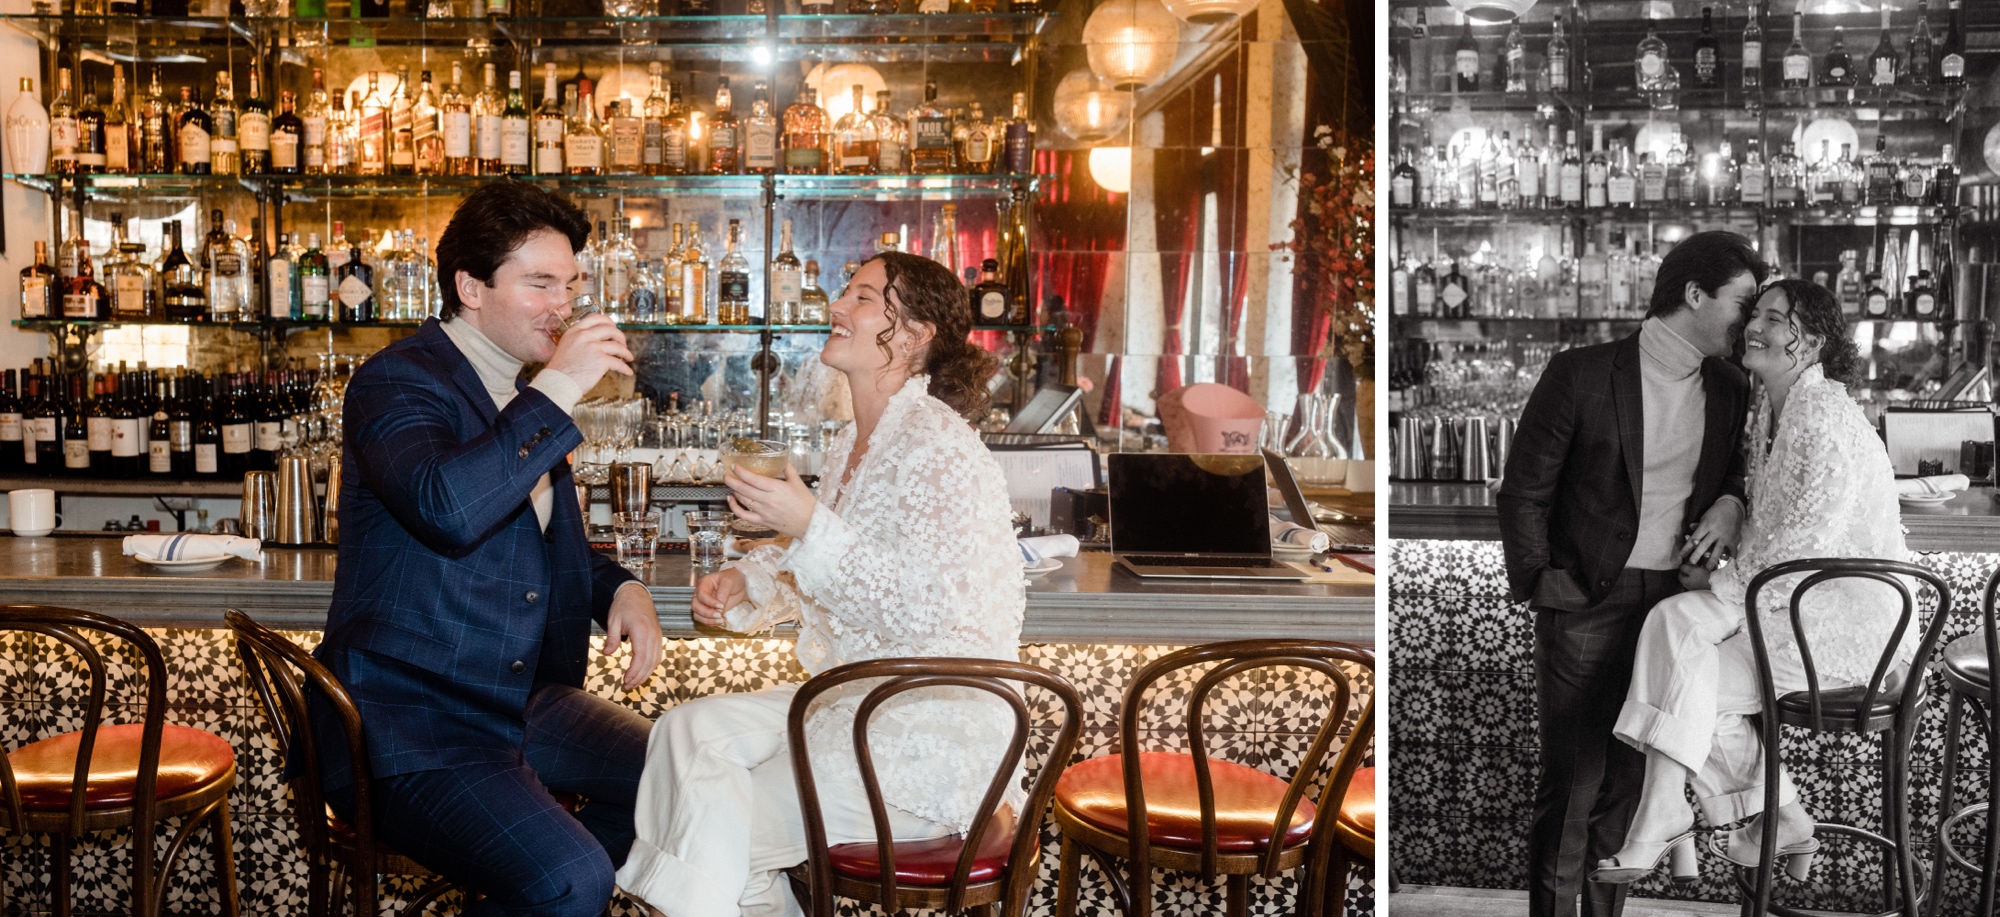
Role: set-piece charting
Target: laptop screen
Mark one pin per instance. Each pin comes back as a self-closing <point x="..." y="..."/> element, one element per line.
<point x="1188" y="504"/>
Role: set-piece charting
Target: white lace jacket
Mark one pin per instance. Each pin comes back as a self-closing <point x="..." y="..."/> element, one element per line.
<point x="1824" y="489"/>
<point x="914" y="556"/>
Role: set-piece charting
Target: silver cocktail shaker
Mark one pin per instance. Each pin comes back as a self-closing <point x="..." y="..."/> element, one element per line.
<point x="297" y="514"/>
<point x="259" y="508"/>
<point x="631" y="487"/>
<point x="1476" y="458"/>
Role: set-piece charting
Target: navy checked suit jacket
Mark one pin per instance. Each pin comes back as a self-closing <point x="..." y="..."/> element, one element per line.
<point x="1569" y="503"/>
<point x="449" y="601"/>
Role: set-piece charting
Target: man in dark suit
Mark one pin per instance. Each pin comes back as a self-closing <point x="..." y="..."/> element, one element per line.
<point x="466" y="589"/>
<point x="1624" y="468"/>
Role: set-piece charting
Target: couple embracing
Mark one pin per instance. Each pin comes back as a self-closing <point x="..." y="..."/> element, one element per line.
<point x="1650" y="481"/>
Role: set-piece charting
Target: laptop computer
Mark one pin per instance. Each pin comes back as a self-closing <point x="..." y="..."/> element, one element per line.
<point x="1192" y="517"/>
<point x="1288" y="487"/>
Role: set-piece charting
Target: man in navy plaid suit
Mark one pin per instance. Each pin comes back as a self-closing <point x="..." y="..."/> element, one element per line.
<point x="1625" y="478"/>
<point x="466" y="589"/>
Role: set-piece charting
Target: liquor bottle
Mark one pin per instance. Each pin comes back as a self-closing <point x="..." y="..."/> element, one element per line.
<point x="83" y="298"/>
<point x="653" y="113"/>
<point x="343" y="136"/>
<point x="1571" y="185"/>
<point x="670" y="284"/>
<point x="991" y="300"/>
<point x="1849" y="284"/>
<point x="930" y="146"/>
<point x="1555" y="59"/>
<point x="854" y="142"/>
<point x="1944" y="180"/>
<point x="371" y="133"/>
<point x="1597" y="171"/>
<point x="1787" y="178"/>
<point x="785" y="288"/>
<point x="694" y="279"/>
<point x="1921" y="295"/>
<point x="1754" y="179"/>
<point x="1837" y="68"/>
<point x="224" y="148"/>
<point x="1707" y="52"/>
<point x="487" y="111"/>
<point x="1920" y="67"/>
<point x="119" y="138"/>
<point x="90" y="132"/>
<point x="426" y="142"/>
<point x="627" y="138"/>
<point x="287" y="131"/>
<point x="1875" y="302"/>
<point x="75" y="423"/>
<point x="583" y="143"/>
<point x="313" y="283"/>
<point x="281" y="283"/>
<point x="356" y="289"/>
<point x="732" y="281"/>
<point x="1020" y="138"/>
<point x="253" y="130"/>
<point x="1514" y="59"/>
<point x="1753" y="47"/>
<point x="313" y="126"/>
<point x="182" y="291"/>
<point x="207" y="432"/>
<point x="978" y="142"/>
<point x="156" y="129"/>
<point x="805" y="135"/>
<point x="812" y="298"/>
<point x="1649" y="66"/>
<point x="1465" y="60"/>
<point x="1403" y="183"/>
<point x="12" y="458"/>
<point x="1621" y="183"/>
<point x="62" y="127"/>
<point x="1884" y="184"/>
<point x="516" y="145"/>
<point x="226" y="262"/>
<point x="134" y="292"/>
<point x="1882" y="62"/>
<point x="725" y="140"/>
<point x="27" y="132"/>
<point x="549" y="125"/>
<point x="39" y="287"/>
<point x="1951" y="52"/>
<point x="760" y="135"/>
<point x="1798" y="61"/>
<point x="41" y="419"/>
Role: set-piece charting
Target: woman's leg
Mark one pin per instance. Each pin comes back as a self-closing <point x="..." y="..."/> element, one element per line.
<point x="1670" y="710"/>
<point x="1730" y="783"/>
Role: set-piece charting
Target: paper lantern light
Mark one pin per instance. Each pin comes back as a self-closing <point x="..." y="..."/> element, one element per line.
<point x="1207" y="12"/>
<point x="1088" y="110"/>
<point x="1132" y="43"/>
<point x="1111" y="168"/>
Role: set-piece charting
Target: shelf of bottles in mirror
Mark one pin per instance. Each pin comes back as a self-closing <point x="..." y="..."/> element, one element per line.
<point x="260" y="325"/>
<point x="298" y="188"/>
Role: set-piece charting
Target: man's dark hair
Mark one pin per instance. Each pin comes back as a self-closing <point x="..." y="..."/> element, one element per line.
<point x="491" y="223"/>
<point x="1706" y="259"/>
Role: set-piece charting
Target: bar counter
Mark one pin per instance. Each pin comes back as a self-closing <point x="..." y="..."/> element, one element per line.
<point x="1463" y="729"/>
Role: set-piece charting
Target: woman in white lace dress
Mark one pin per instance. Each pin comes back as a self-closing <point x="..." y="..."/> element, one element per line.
<point x="1820" y="486"/>
<point x="907" y="550"/>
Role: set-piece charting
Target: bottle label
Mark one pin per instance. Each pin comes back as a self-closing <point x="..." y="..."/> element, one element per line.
<point x="489" y="136"/>
<point x="1454" y="296"/>
<point x="28" y="452"/>
<point x="1468" y="65"/>
<point x="626" y="139"/>
<point x="253" y="131"/>
<point x="204" y="458"/>
<point x="930" y="133"/>
<point x="854" y="157"/>
<point x="76" y="454"/>
<point x="722" y="140"/>
<point x="279" y="285"/>
<point x="97" y="431"/>
<point x="1401" y="191"/>
<point x="131" y="294"/>
<point x="10" y="428"/>
<point x="35" y="296"/>
<point x="673" y="150"/>
<point x="1885" y="72"/>
<point x="1753" y="57"/>
<point x="284" y="150"/>
<point x="117" y="147"/>
<point x="180" y="433"/>
<point x="760" y="150"/>
<point x="228" y="264"/>
<point x="125" y="437"/>
<point x="1650" y="65"/>
<point x="354" y="291"/>
<point x="992" y="306"/>
<point x="514" y="142"/>
<point x="268" y="435"/>
<point x="43" y="429"/>
<point x="1752" y="181"/>
<point x="194" y="147"/>
<point x="1704" y="64"/>
<point x="315" y="131"/>
<point x="79" y="305"/>
<point x="1926" y="303"/>
<point x="62" y="137"/>
<point x="458" y="134"/>
<point x="733" y="287"/>
<point x="159" y="458"/>
<point x="236" y="438"/>
<point x="652" y="144"/>
<point x="1558" y="72"/>
<point x="313" y="295"/>
<point x="1798" y="68"/>
<point x="1952" y="67"/>
<point x="787" y="285"/>
<point x="583" y="151"/>
<point x="1620" y="190"/>
<point x="1572" y="186"/>
<point x="804" y="160"/>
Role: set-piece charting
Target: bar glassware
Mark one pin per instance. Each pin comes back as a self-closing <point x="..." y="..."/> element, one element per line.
<point x="637" y="534"/>
<point x="706" y="533"/>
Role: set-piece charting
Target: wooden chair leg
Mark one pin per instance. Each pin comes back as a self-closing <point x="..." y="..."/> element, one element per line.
<point x="983" y="910"/>
<point x="1066" y="877"/>
<point x="222" y="841"/>
<point x="59" y="870"/>
<point x="1236" y="888"/>
<point x="1331" y="882"/>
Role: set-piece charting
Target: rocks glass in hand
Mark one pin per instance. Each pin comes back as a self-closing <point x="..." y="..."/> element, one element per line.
<point x="579" y="308"/>
<point x="706" y="533"/>
<point x="636" y="534"/>
<point x="761" y="456"/>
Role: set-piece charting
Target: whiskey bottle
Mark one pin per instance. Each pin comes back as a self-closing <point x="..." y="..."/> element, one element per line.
<point x="725" y="141"/>
<point x="732" y="286"/>
<point x="652" y="143"/>
<point x="889" y="139"/>
<point x="991" y="302"/>
<point x="1707" y="52"/>
<point x="812" y="298"/>
<point x="39" y="287"/>
<point x="760" y="135"/>
<point x="805" y="135"/>
<point x="516" y="145"/>
<point x="678" y="155"/>
<point x="426" y="143"/>
<point x="583" y="145"/>
<point x="930" y="144"/>
<point x="854" y="142"/>
<point x="694" y="279"/>
<point x="224" y="149"/>
<point x="287" y="131"/>
<point x="313" y="126"/>
<point x="627" y="139"/>
<point x="83" y="298"/>
<point x="549" y="126"/>
<point x="786" y="281"/>
<point x="253" y="130"/>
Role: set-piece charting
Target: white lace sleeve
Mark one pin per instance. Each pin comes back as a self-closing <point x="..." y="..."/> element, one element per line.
<point x="772" y="600"/>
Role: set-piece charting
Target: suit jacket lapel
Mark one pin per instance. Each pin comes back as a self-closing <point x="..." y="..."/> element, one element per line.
<point x="1628" y="401"/>
<point x="463" y="374"/>
<point x="1717" y="437"/>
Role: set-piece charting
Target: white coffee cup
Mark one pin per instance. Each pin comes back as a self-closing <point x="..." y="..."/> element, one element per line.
<point x="32" y="512"/>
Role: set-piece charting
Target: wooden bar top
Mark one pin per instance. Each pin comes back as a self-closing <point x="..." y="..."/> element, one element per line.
<point x="1087" y="601"/>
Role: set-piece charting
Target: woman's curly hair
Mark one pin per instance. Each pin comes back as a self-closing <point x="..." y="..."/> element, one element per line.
<point x="925" y="291"/>
<point x="1816" y="312"/>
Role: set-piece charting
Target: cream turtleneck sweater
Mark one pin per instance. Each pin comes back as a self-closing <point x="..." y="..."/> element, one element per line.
<point x="497" y="371"/>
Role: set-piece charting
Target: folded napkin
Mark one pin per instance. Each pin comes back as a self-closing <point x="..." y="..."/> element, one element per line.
<point x="193" y="546"/>
<point x="1042" y="547"/>
<point x="1935" y="484"/>
<point x="1294" y="535"/>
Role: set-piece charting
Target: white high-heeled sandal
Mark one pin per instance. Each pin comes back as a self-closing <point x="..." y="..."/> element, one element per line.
<point x="1683" y="861"/>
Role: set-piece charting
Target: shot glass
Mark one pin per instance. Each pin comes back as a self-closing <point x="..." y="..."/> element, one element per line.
<point x="636" y="534"/>
<point x="706" y="532"/>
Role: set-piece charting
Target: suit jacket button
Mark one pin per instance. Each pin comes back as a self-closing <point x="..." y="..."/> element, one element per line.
<point x="524" y="451"/>
<point x="544" y="433"/>
<point x="1624" y="536"/>
<point x="1604" y="584"/>
<point x="518" y="667"/>
<point x="532" y="596"/>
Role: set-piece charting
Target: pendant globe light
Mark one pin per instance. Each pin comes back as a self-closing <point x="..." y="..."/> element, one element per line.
<point x="1131" y="43"/>
<point x="1209" y="12"/>
<point x="1111" y="168"/>
<point x="1088" y="110"/>
<point x="1493" y="10"/>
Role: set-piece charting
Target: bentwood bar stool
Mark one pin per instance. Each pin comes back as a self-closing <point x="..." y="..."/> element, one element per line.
<point x="336" y="851"/>
<point x="1877" y="708"/>
<point x="1194" y="813"/>
<point x="942" y="873"/>
<point x="107" y="776"/>
<point x="1967" y="666"/>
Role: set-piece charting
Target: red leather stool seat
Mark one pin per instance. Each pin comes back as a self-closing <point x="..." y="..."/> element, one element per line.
<point x="1246" y="801"/>
<point x="929" y="862"/>
<point x="189" y="759"/>
<point x="1357" y="811"/>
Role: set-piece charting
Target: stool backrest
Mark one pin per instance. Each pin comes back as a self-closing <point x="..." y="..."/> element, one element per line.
<point x="1825" y="570"/>
<point x="280" y="672"/>
<point x="995" y="677"/>
<point x="1991" y="637"/>
<point x="1232" y="658"/>
<point x="67" y="626"/>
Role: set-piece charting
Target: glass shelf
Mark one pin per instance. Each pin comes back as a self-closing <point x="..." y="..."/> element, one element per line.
<point x="1824" y="215"/>
<point x="49" y="324"/>
<point x="313" y="187"/>
<point x="1573" y="320"/>
<point x="905" y="187"/>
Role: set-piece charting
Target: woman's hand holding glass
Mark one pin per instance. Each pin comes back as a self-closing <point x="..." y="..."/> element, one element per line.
<point x="784" y="505"/>
<point x="715" y="594"/>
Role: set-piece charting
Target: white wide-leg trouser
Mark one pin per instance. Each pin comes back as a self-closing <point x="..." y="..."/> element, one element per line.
<point x="1694" y="687"/>
<point x="718" y="815"/>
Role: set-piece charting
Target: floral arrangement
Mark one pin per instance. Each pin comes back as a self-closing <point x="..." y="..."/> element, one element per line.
<point x="1334" y="242"/>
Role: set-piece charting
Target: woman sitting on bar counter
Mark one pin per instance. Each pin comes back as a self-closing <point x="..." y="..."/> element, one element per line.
<point x="1820" y="486"/>
<point x="908" y="550"/>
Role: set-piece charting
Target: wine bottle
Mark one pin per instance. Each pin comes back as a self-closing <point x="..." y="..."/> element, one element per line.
<point x="12" y="461"/>
<point x="1707" y="52"/>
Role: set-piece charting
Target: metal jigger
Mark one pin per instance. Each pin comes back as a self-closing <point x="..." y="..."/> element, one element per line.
<point x="631" y="487"/>
<point x="259" y="508"/>
<point x="297" y="510"/>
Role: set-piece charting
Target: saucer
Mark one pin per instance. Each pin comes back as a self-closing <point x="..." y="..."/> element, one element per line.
<point x="1290" y="552"/>
<point x="195" y="565"/>
<point x="1048" y="565"/>
<point x="1925" y="499"/>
